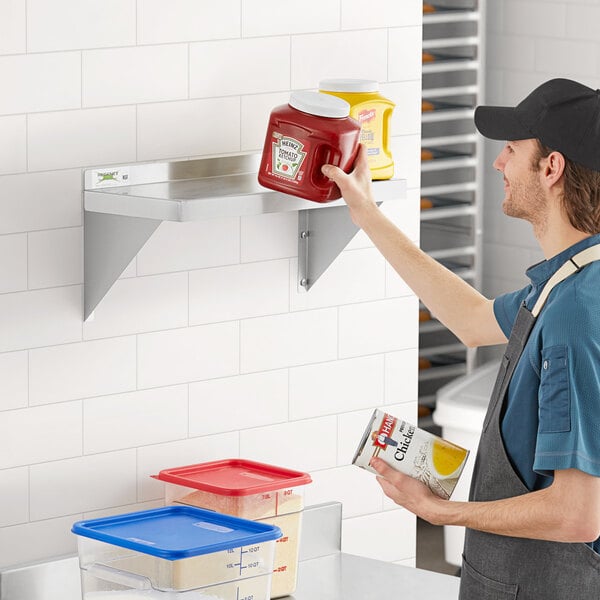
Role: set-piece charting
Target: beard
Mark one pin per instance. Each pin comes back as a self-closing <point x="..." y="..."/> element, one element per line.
<point x="525" y="200"/>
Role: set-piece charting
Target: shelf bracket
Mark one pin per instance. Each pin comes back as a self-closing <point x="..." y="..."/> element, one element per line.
<point x="322" y="235"/>
<point x="110" y="244"/>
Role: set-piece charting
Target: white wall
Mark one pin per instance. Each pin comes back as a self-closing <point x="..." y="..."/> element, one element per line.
<point x="528" y="43"/>
<point x="203" y="349"/>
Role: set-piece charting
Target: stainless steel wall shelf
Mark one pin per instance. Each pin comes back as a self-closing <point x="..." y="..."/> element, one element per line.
<point x="123" y="206"/>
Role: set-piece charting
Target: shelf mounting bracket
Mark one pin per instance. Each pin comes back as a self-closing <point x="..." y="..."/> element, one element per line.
<point x="322" y="235"/>
<point x="110" y="244"/>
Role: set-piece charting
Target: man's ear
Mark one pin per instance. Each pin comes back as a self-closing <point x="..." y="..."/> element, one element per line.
<point x="554" y="168"/>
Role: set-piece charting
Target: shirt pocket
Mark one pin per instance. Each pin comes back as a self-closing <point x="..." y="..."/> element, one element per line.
<point x="554" y="399"/>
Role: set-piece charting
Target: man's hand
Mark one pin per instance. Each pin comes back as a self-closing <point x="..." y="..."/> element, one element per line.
<point x="566" y="511"/>
<point x="355" y="186"/>
<point x="406" y="491"/>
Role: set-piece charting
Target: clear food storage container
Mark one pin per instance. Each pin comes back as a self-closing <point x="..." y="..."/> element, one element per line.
<point x="251" y="490"/>
<point x="175" y="553"/>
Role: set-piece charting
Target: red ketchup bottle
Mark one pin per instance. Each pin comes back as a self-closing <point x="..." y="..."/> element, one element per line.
<point x="312" y="130"/>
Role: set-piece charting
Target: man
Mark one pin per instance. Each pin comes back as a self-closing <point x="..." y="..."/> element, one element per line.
<point x="533" y="519"/>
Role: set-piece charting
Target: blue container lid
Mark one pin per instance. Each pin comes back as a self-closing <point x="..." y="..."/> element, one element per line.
<point x="176" y="532"/>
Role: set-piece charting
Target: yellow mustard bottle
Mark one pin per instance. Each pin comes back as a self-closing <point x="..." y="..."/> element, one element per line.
<point x="373" y="112"/>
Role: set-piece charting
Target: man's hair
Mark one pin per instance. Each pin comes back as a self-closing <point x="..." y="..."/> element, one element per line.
<point x="581" y="192"/>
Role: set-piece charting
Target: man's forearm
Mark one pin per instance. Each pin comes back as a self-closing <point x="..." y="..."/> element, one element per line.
<point x="462" y="309"/>
<point x="453" y="301"/>
<point x="519" y="517"/>
<point x="535" y="515"/>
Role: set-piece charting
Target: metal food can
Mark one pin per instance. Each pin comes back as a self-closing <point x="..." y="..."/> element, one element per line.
<point x="418" y="453"/>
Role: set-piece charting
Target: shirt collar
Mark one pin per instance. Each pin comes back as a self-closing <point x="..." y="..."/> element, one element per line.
<point x="542" y="271"/>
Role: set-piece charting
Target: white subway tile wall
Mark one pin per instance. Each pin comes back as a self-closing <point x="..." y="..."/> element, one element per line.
<point x="15" y="490"/>
<point x="54" y="257"/>
<point x="270" y="236"/>
<point x="204" y="348"/>
<point x="340" y="484"/>
<point x="234" y="403"/>
<point x="14" y="380"/>
<point x="258" y="17"/>
<point x="52" y="484"/>
<point x="141" y="304"/>
<point x="239" y="291"/>
<point x="187" y="20"/>
<point x="309" y="445"/>
<point x="40" y="318"/>
<point x="61" y="140"/>
<point x="134" y="75"/>
<point x="37" y="201"/>
<point x="74" y="25"/>
<point x="13" y="28"/>
<point x="40" y="433"/>
<point x="13" y="144"/>
<point x="135" y="419"/>
<point x="235" y="67"/>
<point x="81" y="370"/>
<point x="349" y="54"/>
<point x="40" y="82"/>
<point x="528" y="42"/>
<point x="192" y="245"/>
<point x="13" y="262"/>
<point x="188" y="354"/>
<point x="334" y="387"/>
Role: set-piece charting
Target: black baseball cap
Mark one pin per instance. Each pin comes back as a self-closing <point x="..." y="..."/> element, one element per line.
<point x="563" y="114"/>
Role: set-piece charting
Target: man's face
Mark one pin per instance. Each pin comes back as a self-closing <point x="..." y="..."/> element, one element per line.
<point x="523" y="194"/>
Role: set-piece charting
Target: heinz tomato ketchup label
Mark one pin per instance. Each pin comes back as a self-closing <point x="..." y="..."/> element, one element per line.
<point x="288" y="157"/>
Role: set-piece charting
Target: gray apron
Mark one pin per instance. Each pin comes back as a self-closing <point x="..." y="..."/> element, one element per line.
<point x="497" y="567"/>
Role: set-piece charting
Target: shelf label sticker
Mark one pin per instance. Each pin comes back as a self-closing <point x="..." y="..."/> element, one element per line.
<point x="110" y="177"/>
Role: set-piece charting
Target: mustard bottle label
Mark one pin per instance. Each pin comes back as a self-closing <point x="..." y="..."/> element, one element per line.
<point x="368" y="132"/>
<point x="288" y="156"/>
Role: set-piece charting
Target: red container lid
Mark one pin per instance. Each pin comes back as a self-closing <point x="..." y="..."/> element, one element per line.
<point x="234" y="477"/>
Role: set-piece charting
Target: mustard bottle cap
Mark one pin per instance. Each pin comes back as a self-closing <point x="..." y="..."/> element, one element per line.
<point x="349" y="85"/>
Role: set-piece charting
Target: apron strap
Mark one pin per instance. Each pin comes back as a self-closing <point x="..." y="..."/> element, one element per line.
<point x="568" y="268"/>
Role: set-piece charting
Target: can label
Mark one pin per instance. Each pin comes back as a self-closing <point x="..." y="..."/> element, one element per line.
<point x="288" y="154"/>
<point x="413" y="451"/>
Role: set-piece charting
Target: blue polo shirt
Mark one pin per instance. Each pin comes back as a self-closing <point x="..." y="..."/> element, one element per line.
<point x="552" y="417"/>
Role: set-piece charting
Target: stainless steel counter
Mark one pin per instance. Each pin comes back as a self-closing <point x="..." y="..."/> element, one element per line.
<point x="324" y="573"/>
<point x="347" y="577"/>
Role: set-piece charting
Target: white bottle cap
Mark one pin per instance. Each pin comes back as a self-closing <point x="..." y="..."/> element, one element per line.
<point x="349" y="85"/>
<point x="321" y="105"/>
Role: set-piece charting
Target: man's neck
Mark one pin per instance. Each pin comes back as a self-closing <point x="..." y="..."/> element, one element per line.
<point x="556" y="239"/>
